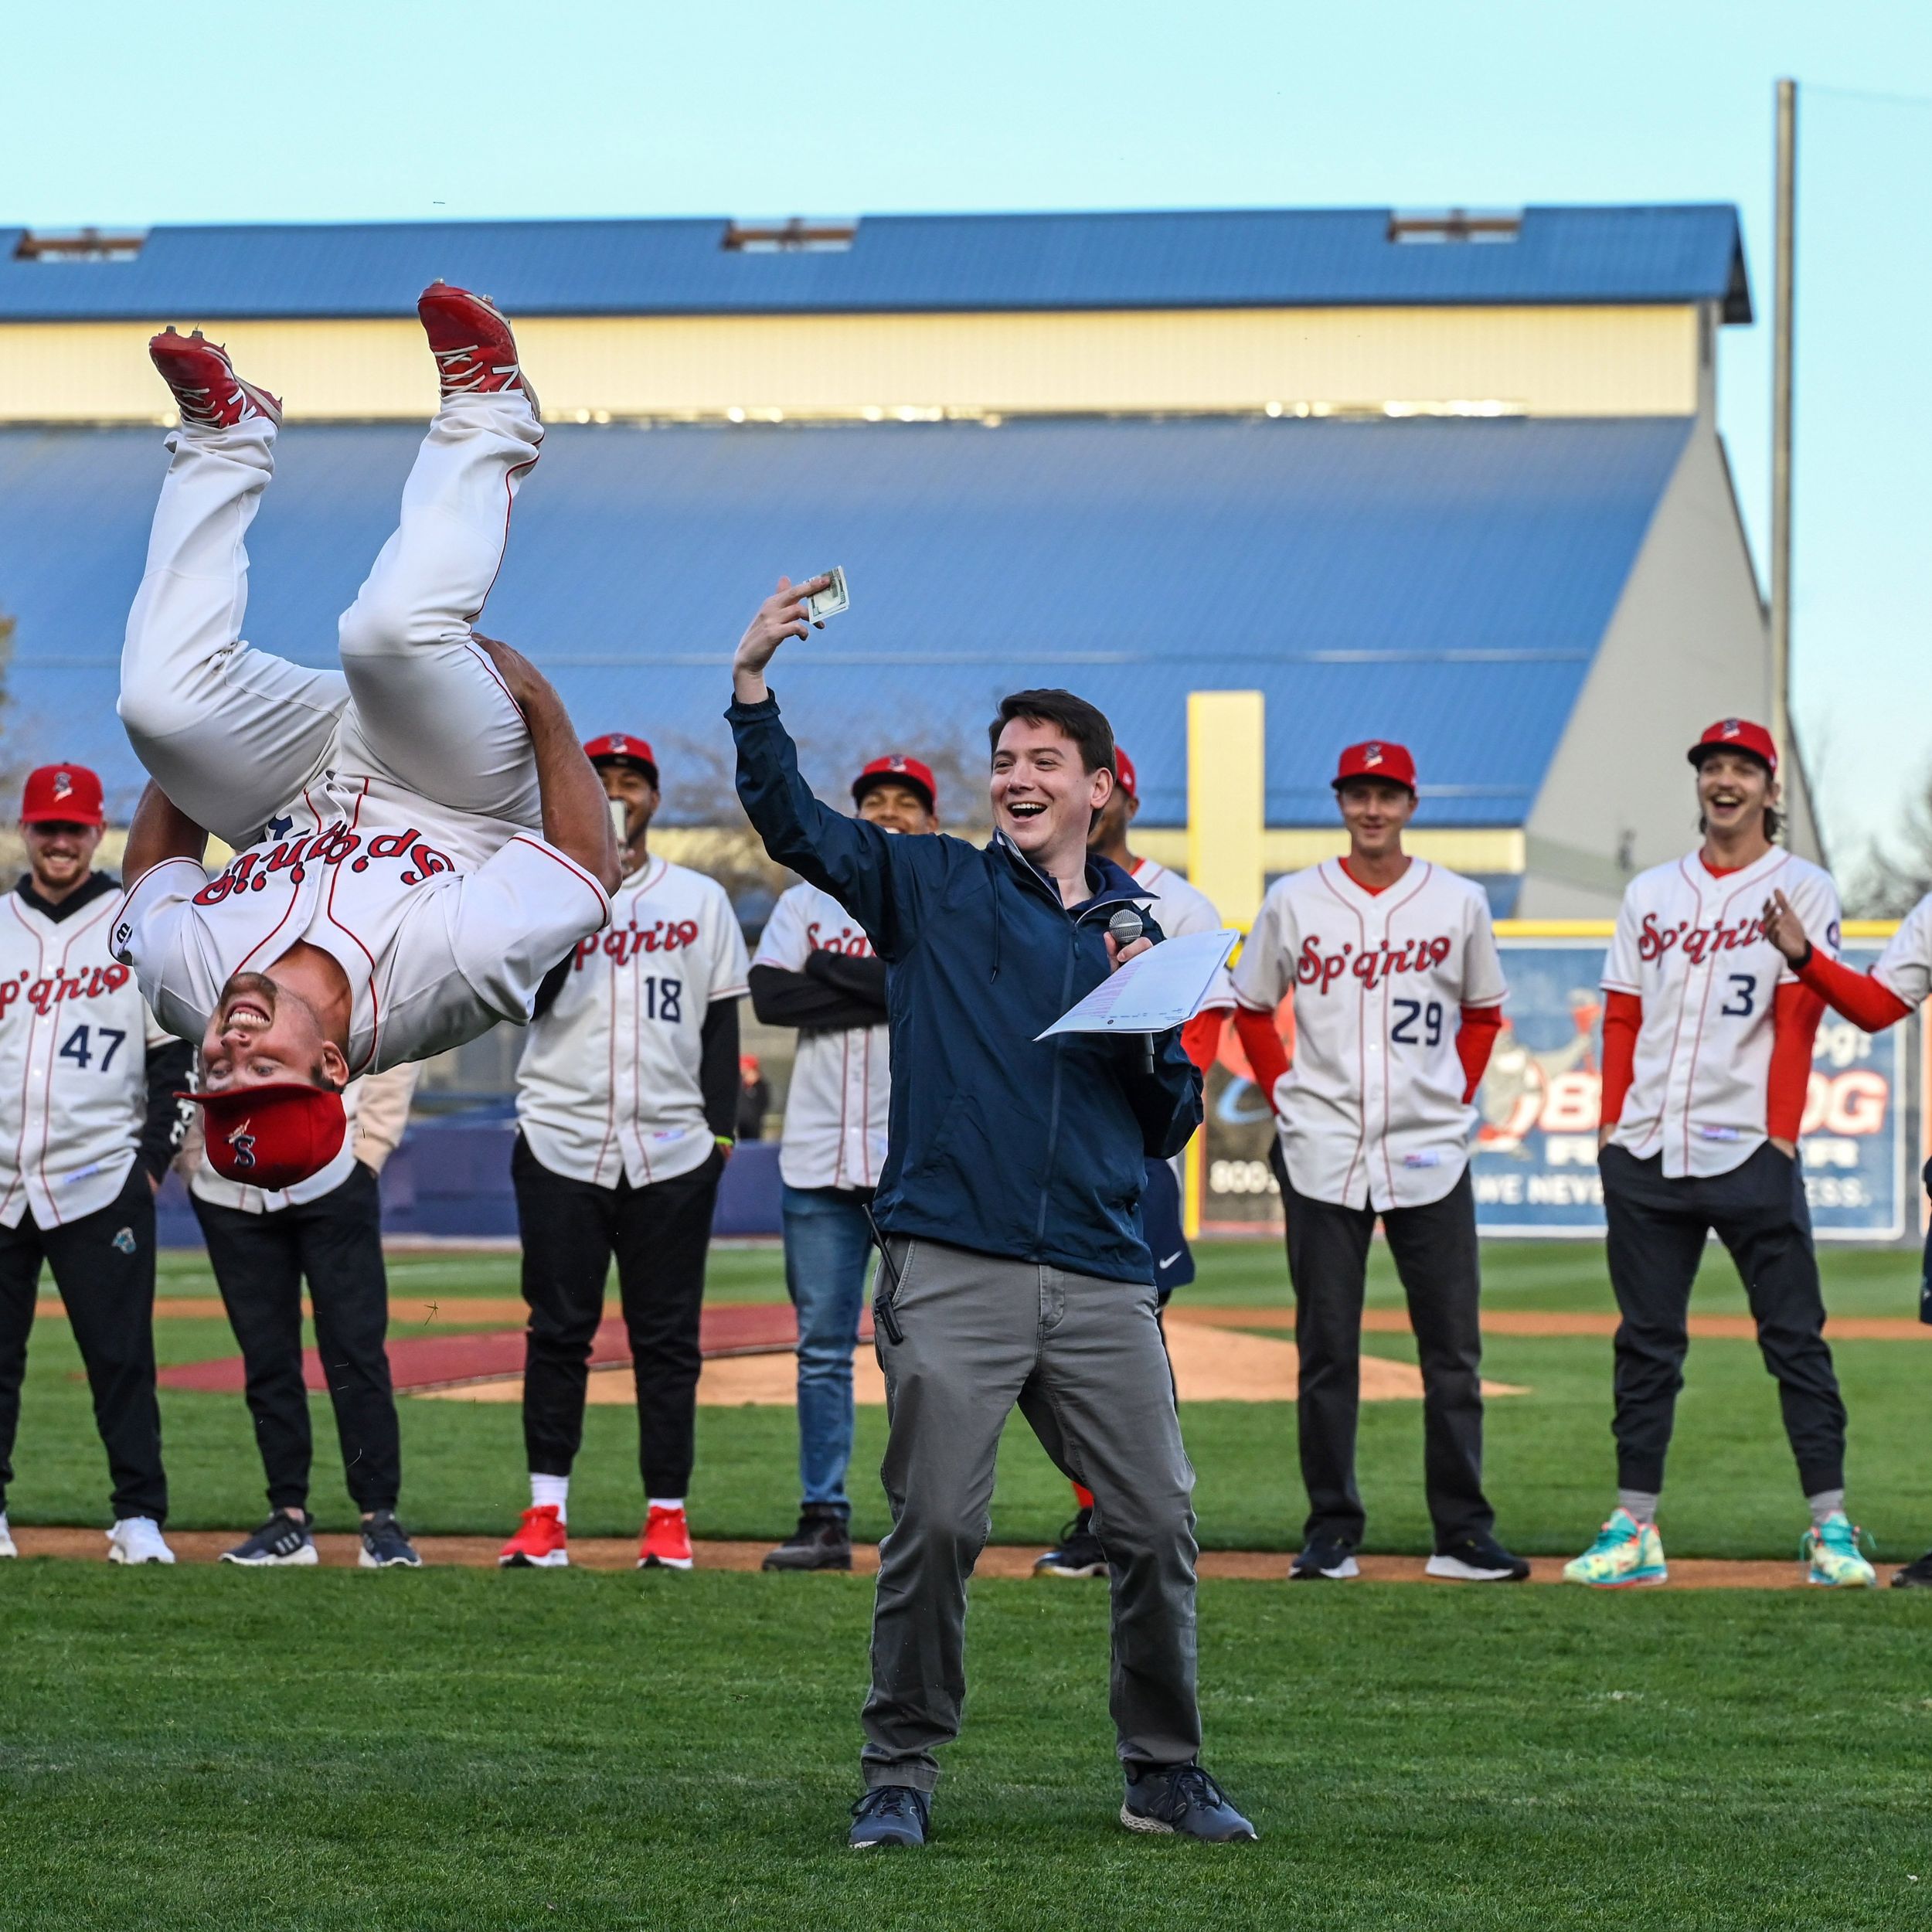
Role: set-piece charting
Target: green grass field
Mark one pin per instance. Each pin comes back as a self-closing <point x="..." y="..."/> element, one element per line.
<point x="319" y="1748"/>
<point x="1732" y="1493"/>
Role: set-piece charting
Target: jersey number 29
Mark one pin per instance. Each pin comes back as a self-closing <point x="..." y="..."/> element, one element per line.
<point x="1410" y="1012"/>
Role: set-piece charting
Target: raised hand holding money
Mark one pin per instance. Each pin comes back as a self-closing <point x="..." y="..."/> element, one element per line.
<point x="783" y="614"/>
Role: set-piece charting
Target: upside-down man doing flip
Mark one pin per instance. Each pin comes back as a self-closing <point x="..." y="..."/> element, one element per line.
<point x="419" y="837"/>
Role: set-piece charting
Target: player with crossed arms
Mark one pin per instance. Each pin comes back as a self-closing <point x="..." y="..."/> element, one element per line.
<point x="1898" y="983"/>
<point x="1707" y="1054"/>
<point x="390" y="897"/>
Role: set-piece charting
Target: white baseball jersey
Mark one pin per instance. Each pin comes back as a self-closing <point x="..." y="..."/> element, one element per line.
<point x="835" y="1133"/>
<point x="1180" y="908"/>
<point x="1691" y="945"/>
<point x="1905" y="967"/>
<point x="436" y="950"/>
<point x="74" y="1036"/>
<point x="607" y="1088"/>
<point x="1371" y="1111"/>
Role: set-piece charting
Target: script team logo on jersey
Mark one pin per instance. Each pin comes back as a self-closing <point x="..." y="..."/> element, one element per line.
<point x="244" y="1142"/>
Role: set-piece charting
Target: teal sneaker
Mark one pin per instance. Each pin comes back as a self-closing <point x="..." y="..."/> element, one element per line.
<point x="1626" y="1552"/>
<point x="1836" y="1560"/>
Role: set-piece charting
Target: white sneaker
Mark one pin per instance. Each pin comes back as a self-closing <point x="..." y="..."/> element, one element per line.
<point x="6" y="1538"/>
<point x="137" y="1539"/>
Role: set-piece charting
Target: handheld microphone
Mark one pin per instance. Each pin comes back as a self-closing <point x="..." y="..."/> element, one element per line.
<point x="1125" y="927"/>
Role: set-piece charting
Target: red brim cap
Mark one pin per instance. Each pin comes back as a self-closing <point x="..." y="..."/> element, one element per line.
<point x="1737" y="734"/>
<point x="62" y="795"/>
<point x="623" y="748"/>
<point x="1125" y="775"/>
<point x="1377" y="758"/>
<point x="274" y="1135"/>
<point x="898" y="771"/>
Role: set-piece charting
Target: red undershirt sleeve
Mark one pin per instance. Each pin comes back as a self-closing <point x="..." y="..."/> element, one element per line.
<point x="1475" y="1041"/>
<point x="1201" y="1037"/>
<point x="1795" y="1014"/>
<point x="1623" y="1020"/>
<point x="1266" y="1056"/>
<point x="1867" y="1002"/>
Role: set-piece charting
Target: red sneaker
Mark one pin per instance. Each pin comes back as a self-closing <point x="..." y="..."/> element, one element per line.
<point x="539" y="1542"/>
<point x="471" y="339"/>
<point x="208" y="393"/>
<point x="666" y="1542"/>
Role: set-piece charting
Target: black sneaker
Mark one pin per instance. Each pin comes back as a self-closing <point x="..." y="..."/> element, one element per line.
<point x="281" y="1540"/>
<point x="889" y="1814"/>
<point x="1078" y="1552"/>
<point x="822" y="1541"/>
<point x="1322" y="1561"/>
<point x="385" y="1544"/>
<point x="1477" y="1558"/>
<point x="1917" y="1575"/>
<point x="1181" y="1799"/>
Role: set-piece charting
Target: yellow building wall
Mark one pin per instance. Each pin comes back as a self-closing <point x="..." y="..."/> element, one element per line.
<point x="1572" y="361"/>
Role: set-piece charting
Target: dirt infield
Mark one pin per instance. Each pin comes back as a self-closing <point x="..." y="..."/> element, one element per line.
<point x="1007" y="1560"/>
<point x="1530" y="1322"/>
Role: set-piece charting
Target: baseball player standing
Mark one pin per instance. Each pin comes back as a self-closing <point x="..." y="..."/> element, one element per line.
<point x="390" y="897"/>
<point x="88" y="1124"/>
<point x="1707" y="1054"/>
<point x="627" y="1104"/>
<point x="1895" y="986"/>
<point x="1179" y="908"/>
<point x="816" y="970"/>
<point x="1398" y="992"/>
<point x="327" y="1230"/>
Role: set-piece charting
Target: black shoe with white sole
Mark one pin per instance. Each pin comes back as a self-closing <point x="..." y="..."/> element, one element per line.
<point x="385" y="1544"/>
<point x="1323" y="1562"/>
<point x="1182" y="1800"/>
<point x="1917" y="1575"/>
<point x="1078" y="1552"/>
<point x="280" y="1540"/>
<point x="1477" y="1558"/>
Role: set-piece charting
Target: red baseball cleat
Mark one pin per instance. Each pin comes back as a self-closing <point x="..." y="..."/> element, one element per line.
<point x="471" y="339"/>
<point x="666" y="1542"/>
<point x="208" y="393"/>
<point x="539" y="1542"/>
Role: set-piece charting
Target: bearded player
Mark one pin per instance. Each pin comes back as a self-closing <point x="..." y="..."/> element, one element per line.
<point x="1898" y="983"/>
<point x="391" y="896"/>
<point x="1707" y="1054"/>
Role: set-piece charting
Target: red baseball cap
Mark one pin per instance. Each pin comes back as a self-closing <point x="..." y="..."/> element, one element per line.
<point x="1737" y="734"/>
<point x="624" y="748"/>
<point x="1376" y="758"/>
<point x="62" y="794"/>
<point x="898" y="771"/>
<point x="273" y="1135"/>
<point x="1123" y="774"/>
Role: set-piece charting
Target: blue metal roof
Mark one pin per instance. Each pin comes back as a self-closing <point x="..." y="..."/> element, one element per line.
<point x="1237" y="258"/>
<point x="1444" y="583"/>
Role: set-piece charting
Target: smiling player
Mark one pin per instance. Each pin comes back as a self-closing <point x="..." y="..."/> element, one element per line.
<point x="1707" y="1052"/>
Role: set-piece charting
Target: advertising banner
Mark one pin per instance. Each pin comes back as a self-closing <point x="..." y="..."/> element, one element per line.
<point x="1533" y="1163"/>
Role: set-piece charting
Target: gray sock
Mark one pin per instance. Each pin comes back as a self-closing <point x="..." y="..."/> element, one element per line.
<point x="1825" y="1503"/>
<point x="1640" y="1503"/>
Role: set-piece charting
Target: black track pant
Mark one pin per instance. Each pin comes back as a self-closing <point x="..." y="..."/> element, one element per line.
<point x="1658" y="1228"/>
<point x="260" y="1261"/>
<point x="1434" y="1249"/>
<point x="660" y="1235"/>
<point x="103" y="1265"/>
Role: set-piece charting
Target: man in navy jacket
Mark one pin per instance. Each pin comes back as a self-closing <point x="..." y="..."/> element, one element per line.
<point x="1016" y="1270"/>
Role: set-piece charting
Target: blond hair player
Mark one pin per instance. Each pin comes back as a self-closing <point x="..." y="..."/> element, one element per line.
<point x="1707" y="1051"/>
<point x="391" y="895"/>
<point x="1398" y="991"/>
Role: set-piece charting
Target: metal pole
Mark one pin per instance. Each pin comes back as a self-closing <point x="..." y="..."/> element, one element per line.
<point x="1781" y="425"/>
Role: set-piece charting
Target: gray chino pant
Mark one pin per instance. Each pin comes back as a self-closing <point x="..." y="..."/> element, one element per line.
<point x="1084" y="1359"/>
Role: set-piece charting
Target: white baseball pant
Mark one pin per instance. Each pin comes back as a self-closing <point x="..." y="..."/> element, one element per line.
<point x="232" y="734"/>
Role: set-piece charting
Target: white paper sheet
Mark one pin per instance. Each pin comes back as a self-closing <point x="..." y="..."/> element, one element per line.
<point x="1164" y="988"/>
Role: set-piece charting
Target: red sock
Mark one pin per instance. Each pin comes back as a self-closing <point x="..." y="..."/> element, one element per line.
<point x="1084" y="1497"/>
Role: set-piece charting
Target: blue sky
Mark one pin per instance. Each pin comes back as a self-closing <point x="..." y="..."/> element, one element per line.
<point x="138" y="114"/>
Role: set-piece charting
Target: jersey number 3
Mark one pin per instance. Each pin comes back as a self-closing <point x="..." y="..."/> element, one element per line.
<point x="1743" y="1000"/>
<point x="76" y="1047"/>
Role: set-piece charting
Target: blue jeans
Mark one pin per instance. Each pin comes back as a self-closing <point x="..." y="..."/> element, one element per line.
<point x="827" y="1242"/>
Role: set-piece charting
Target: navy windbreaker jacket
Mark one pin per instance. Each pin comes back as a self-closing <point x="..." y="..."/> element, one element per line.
<point x="1031" y="1149"/>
